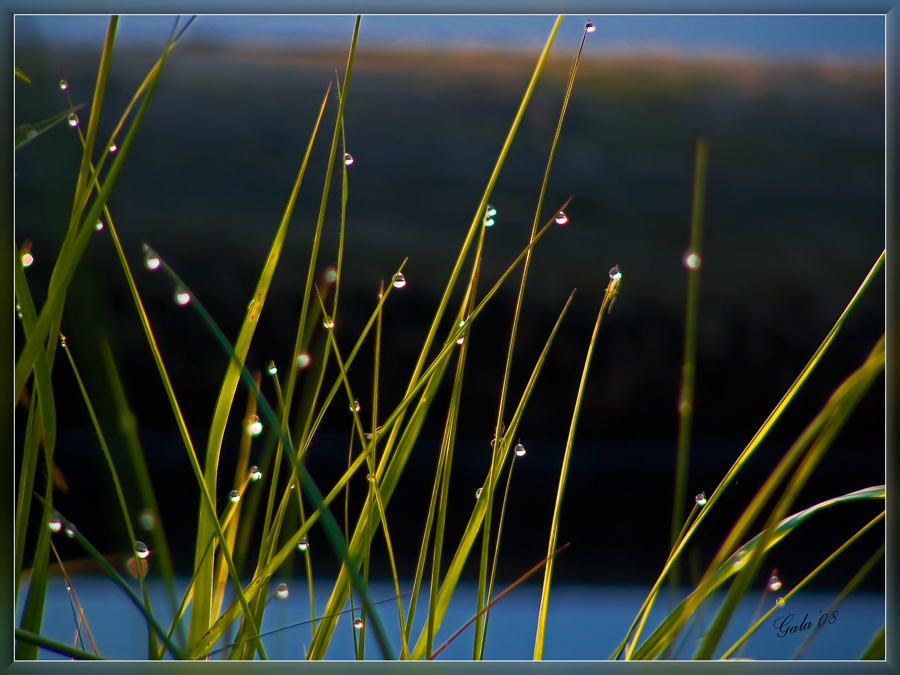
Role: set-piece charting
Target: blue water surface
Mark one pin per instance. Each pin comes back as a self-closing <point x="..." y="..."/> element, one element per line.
<point x="584" y="622"/>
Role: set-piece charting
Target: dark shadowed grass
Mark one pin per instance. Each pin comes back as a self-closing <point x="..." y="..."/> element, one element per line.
<point x="254" y="523"/>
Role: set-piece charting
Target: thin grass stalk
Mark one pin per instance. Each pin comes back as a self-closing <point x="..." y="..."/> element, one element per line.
<point x="36" y="640"/>
<point x="836" y="412"/>
<point x="783" y="600"/>
<point x="851" y="586"/>
<point x="757" y="440"/>
<point x="472" y="531"/>
<point x="667" y="630"/>
<point x="507" y="590"/>
<point x="76" y="606"/>
<point x="689" y="365"/>
<point x="479" y="628"/>
<point x="120" y="495"/>
<point x="611" y="289"/>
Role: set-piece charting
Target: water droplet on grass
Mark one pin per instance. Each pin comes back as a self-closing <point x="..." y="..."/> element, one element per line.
<point x="355" y="407"/>
<point x="98" y="225"/>
<point x="490" y="211"/>
<point x="182" y="297"/>
<point x="73" y="120"/>
<point x="399" y="280"/>
<point x="488" y="222"/>
<point x="348" y="159"/>
<point x="589" y="27"/>
<point x="691" y="260"/>
<point x="141" y="550"/>
<point x="561" y="218"/>
<point x="62" y="341"/>
<point x="282" y="591"/>
<point x="328" y="323"/>
<point x="478" y="493"/>
<point x="369" y="435"/>
<point x="27" y="259"/>
<point x="70" y="532"/>
<point x="615" y="274"/>
<point x="303" y="360"/>
<point x="113" y="148"/>
<point x="63" y="85"/>
<point x="700" y="499"/>
<point x="271" y="369"/>
<point x="151" y="260"/>
<point x="462" y="338"/>
<point x="254" y="426"/>
<point x="55" y="524"/>
<point x="18" y="310"/>
<point x="520" y="450"/>
<point x="303" y="544"/>
<point x="371" y="478"/>
<point x="255" y="473"/>
<point x="358" y="624"/>
<point x="234" y="496"/>
<point x="774" y="582"/>
<point x="331" y="274"/>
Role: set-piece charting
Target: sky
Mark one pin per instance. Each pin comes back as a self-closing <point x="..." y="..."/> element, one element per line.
<point x="853" y="37"/>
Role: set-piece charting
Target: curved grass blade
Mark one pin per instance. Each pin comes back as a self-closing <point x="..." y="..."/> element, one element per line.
<point x="25" y="636"/>
<point x="557" y="511"/>
<point x="25" y="133"/>
<point x="748" y="451"/>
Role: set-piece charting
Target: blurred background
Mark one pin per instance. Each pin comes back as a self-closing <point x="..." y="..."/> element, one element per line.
<point x="793" y="112"/>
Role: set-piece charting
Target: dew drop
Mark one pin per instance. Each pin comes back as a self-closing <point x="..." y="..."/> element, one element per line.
<point x="182" y="297"/>
<point x="328" y="323"/>
<point x="369" y="435"/>
<point x="331" y="274"/>
<point x="348" y="159"/>
<point x="18" y="310"/>
<point x="615" y="274"/>
<point x="399" y="280"/>
<point x="740" y="561"/>
<point x="358" y="624"/>
<point x="774" y="582"/>
<point x="303" y="360"/>
<point x="691" y="260"/>
<point x="151" y="260"/>
<point x="779" y="601"/>
<point x="303" y="544"/>
<point x="63" y="85"/>
<point x="561" y="218"/>
<point x="55" y="524"/>
<point x="254" y="426"/>
<point x="589" y="27"/>
<point x="520" y="450"/>
<point x="255" y="473"/>
<point x="488" y="222"/>
<point x="355" y="407"/>
<point x="271" y="369"/>
<point x="62" y="341"/>
<point x="282" y="591"/>
<point x="113" y="148"/>
<point x="141" y="550"/>
<point x="27" y="259"/>
<point x="70" y="532"/>
<point x="478" y="493"/>
<point x="462" y="338"/>
<point x="146" y="519"/>
<point x="98" y="225"/>
<point x="234" y="496"/>
<point x="700" y="499"/>
<point x="371" y="478"/>
<point x="73" y="120"/>
<point x="490" y="212"/>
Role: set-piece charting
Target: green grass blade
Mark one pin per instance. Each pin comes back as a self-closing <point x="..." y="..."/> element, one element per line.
<point x="754" y="443"/>
<point x="564" y="471"/>
<point x="27" y="637"/>
<point x="26" y="133"/>
<point x="688" y="368"/>
<point x="875" y="650"/>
